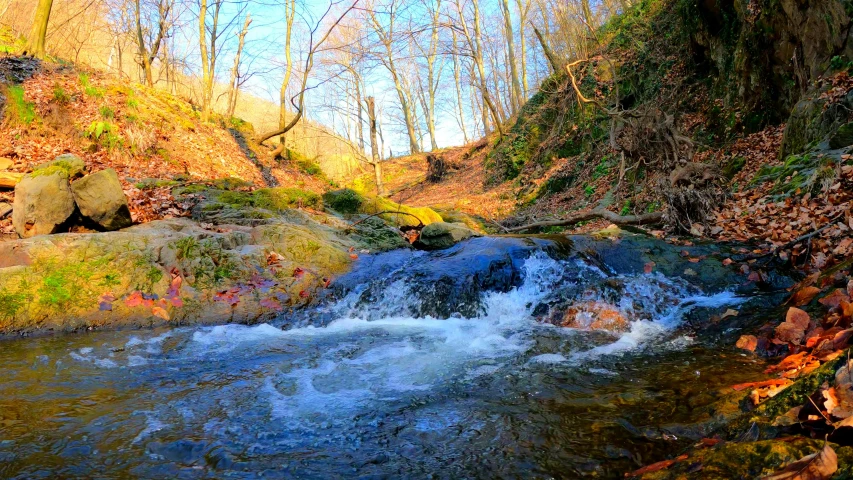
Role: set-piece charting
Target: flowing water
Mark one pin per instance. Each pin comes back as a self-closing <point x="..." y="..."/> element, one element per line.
<point x="368" y="385"/>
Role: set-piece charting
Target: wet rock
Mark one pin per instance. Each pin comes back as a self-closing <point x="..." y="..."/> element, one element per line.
<point x="72" y="165"/>
<point x="441" y="235"/>
<point x="43" y="203"/>
<point x="102" y="201"/>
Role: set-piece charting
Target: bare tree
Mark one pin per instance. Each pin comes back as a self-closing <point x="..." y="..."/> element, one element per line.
<point x="298" y="100"/>
<point x="234" y="84"/>
<point x="385" y="33"/>
<point x="148" y="48"/>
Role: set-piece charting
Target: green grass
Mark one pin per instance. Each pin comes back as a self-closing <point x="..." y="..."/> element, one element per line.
<point x="18" y="110"/>
<point x="60" y="96"/>
<point x="104" y="134"/>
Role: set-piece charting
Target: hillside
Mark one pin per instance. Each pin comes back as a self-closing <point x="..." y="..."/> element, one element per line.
<point x="153" y="140"/>
<point x="709" y="129"/>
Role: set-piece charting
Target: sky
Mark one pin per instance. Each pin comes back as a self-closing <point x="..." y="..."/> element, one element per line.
<point x="265" y="58"/>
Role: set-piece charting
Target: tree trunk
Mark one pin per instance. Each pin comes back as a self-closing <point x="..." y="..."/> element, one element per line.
<point x="289" y="13"/>
<point x="546" y="50"/>
<point x="233" y="86"/>
<point x="374" y="147"/>
<point x="36" y="40"/>
<point x="510" y="49"/>
<point x="458" y="84"/>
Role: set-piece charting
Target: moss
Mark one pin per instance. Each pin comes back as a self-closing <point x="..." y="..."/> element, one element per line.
<point x="230" y="183"/>
<point x="18" y="110"/>
<point x="276" y="199"/>
<point x="149" y="183"/>
<point x="805" y="173"/>
<point x="349" y="201"/>
<point x="344" y="201"/>
<point x="50" y="170"/>
<point x="733" y="167"/>
<point x="796" y="395"/>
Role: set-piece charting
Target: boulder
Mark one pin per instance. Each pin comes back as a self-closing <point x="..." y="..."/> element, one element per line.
<point x="43" y="203"/>
<point x="441" y="235"/>
<point x="100" y="198"/>
<point x="71" y="164"/>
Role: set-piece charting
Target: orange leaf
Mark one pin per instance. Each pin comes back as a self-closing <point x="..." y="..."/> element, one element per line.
<point x="159" y="312"/>
<point x="804" y="296"/>
<point x="747" y="342"/>
<point x="797" y="317"/>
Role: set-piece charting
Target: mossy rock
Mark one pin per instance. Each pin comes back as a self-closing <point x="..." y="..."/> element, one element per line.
<point x="67" y="164"/>
<point x="349" y="201"/>
<point x="275" y="200"/>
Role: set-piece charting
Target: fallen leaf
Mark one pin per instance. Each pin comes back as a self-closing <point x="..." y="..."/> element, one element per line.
<point x="647" y="268"/>
<point x="134" y="299"/>
<point x="747" y="342"/>
<point x="798" y="317"/>
<point x="270" y="303"/>
<point x="765" y="383"/>
<point x="159" y="312"/>
<point x="804" y="296"/>
<point x="817" y="466"/>
<point x="835" y="298"/>
<point x="727" y="261"/>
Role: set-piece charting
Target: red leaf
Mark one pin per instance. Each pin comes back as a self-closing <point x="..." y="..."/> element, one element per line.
<point x="134" y="299"/>
<point x="271" y="303"/>
<point x="298" y="272"/>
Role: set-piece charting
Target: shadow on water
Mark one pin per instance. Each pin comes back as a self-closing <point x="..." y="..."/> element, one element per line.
<point x="379" y="384"/>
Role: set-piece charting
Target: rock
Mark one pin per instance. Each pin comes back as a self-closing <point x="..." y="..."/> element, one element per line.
<point x="842" y="137"/>
<point x="441" y="235"/>
<point x="43" y="203"/>
<point x="71" y="164"/>
<point x="5" y="163"/>
<point x="5" y="208"/>
<point x="101" y="200"/>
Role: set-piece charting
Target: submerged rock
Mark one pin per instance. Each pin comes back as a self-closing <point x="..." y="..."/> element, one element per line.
<point x="43" y="203"/>
<point x="100" y="198"/>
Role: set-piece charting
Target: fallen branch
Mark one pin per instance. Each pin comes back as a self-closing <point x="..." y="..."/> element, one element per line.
<point x="420" y="222"/>
<point x="10" y="179"/>
<point x="644" y="219"/>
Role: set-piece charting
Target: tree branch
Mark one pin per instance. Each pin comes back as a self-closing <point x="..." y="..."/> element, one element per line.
<point x="644" y="219"/>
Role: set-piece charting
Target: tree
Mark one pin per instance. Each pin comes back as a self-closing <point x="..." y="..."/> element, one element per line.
<point x="36" y="40"/>
<point x="385" y="32"/>
<point x="234" y="84"/>
<point x="475" y="46"/>
<point x="374" y="147"/>
<point x="298" y="100"/>
<point x="289" y="14"/>
<point x="148" y="50"/>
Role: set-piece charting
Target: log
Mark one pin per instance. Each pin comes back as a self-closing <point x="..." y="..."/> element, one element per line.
<point x="10" y="179"/>
<point x="644" y="219"/>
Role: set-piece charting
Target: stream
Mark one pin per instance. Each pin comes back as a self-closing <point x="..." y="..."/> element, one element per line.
<point x="417" y="365"/>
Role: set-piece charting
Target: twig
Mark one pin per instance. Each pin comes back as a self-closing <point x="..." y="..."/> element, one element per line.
<point x="797" y="240"/>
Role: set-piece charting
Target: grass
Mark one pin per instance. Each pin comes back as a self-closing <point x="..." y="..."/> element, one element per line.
<point x="18" y="110"/>
<point x="60" y="96"/>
